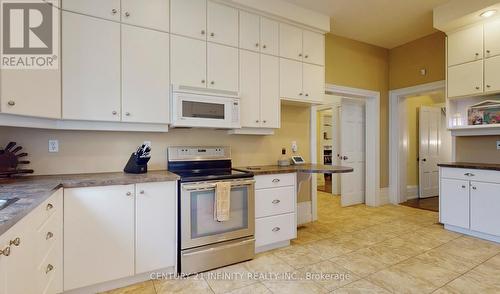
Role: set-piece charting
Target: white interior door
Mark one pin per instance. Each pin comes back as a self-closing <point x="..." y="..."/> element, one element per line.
<point x="429" y="128"/>
<point x="352" y="152"/>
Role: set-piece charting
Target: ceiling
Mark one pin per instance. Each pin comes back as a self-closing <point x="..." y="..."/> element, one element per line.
<point x="385" y="23"/>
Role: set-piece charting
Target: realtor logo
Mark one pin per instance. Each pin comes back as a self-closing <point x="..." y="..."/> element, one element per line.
<point x="29" y="34"/>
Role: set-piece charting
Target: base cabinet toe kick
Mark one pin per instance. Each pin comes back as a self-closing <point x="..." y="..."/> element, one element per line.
<point x="469" y="202"/>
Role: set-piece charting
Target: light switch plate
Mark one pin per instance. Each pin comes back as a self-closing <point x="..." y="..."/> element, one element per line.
<point x="53" y="146"/>
<point x="498" y="145"/>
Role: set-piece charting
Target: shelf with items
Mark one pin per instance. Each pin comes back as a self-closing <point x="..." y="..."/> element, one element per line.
<point x="474" y="115"/>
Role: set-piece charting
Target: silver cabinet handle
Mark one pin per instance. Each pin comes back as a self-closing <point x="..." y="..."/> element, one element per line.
<point x="469" y="174"/>
<point x="276" y="229"/>
<point x="477" y="88"/>
<point x="488" y="51"/>
<point x="129" y="194"/>
<point x="300" y="94"/>
<point x="127" y="14"/>
<point x="11" y="103"/>
<point x="114" y="11"/>
<point x="264" y="121"/>
<point x="49" y="207"/>
<point x="6" y="251"/>
<point x="49" y="268"/>
<point x="127" y="113"/>
<point x="477" y="54"/>
<point x="276" y="180"/>
<point x="49" y="236"/>
<point x="212" y="34"/>
<point x="257" y="121"/>
<point x="114" y="112"/>
<point x="212" y="83"/>
<point x="16" y="242"/>
<point x="307" y="94"/>
<point x="264" y="46"/>
<point x="488" y="86"/>
<point x="256" y="44"/>
<point x="203" y="32"/>
<point x="307" y="56"/>
<point x="463" y="186"/>
<point x="300" y="54"/>
<point x="202" y="81"/>
<point x="474" y="188"/>
<point x="276" y="201"/>
<point x="142" y="192"/>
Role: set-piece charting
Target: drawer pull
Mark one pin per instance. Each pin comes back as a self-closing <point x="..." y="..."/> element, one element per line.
<point x="49" y="268"/>
<point x="463" y="186"/>
<point x="276" y="201"/>
<point x="5" y="252"/>
<point x="16" y="242"/>
<point x="49" y="236"/>
<point x="469" y="174"/>
<point x="49" y="206"/>
<point x="276" y="180"/>
<point x="474" y="188"/>
<point x="276" y="229"/>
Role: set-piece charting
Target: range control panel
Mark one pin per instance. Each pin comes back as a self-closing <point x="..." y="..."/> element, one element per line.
<point x="198" y="153"/>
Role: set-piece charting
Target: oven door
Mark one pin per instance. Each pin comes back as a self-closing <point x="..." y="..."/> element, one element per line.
<point x="198" y="226"/>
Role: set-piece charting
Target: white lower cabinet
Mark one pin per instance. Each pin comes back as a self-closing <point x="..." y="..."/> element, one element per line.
<point x="275" y="211"/>
<point x="115" y="232"/>
<point x="470" y="201"/>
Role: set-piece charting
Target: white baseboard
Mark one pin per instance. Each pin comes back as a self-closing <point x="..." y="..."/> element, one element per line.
<point x="304" y="212"/>
<point x="384" y="196"/>
<point x="411" y="192"/>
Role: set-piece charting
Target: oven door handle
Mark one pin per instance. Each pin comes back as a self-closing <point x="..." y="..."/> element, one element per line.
<point x="211" y="186"/>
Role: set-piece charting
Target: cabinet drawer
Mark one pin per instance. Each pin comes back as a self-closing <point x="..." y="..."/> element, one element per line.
<point x="48" y="236"/>
<point x="275" y="229"/>
<point x="274" y="201"/>
<point x="471" y="174"/>
<point x="275" y="180"/>
<point x="49" y="273"/>
<point x="49" y="207"/>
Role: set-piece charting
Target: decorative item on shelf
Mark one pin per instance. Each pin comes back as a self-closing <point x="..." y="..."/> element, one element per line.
<point x="283" y="161"/>
<point x="138" y="161"/>
<point x="484" y="113"/>
<point x="10" y="159"/>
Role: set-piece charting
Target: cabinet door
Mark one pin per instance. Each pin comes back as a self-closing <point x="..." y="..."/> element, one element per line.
<point x="314" y="82"/>
<point x="152" y="14"/>
<point x="270" y="103"/>
<point x="108" y="9"/>
<point x="465" y="45"/>
<point x="492" y="38"/>
<point x="290" y="42"/>
<point x="189" y="18"/>
<point x="91" y="68"/>
<point x="291" y="79"/>
<point x="491" y="74"/>
<point x="269" y="36"/>
<point x="145" y="75"/>
<point x="249" y="89"/>
<point x="454" y="203"/>
<point x="250" y="31"/>
<point x="314" y="48"/>
<point x="222" y="66"/>
<point x="222" y="24"/>
<point x="188" y="59"/>
<point x="156" y="226"/>
<point x="465" y="79"/>
<point x="42" y="98"/>
<point x="484" y="208"/>
<point x="98" y="235"/>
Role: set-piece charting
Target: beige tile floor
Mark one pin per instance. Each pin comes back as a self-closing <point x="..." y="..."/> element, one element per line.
<point x="359" y="249"/>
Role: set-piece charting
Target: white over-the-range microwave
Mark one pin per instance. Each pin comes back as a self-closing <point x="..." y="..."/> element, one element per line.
<point x="204" y="108"/>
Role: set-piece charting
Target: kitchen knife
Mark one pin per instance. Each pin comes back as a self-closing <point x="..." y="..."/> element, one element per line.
<point x="18" y="148"/>
<point x="24" y="162"/>
<point x="20" y="155"/>
<point x="9" y="146"/>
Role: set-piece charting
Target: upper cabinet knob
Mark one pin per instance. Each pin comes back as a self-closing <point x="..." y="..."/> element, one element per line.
<point x="11" y="103"/>
<point x="49" y="206"/>
<point x="127" y="14"/>
<point x="127" y="113"/>
<point x="488" y="86"/>
<point x="306" y="56"/>
<point x="256" y="44"/>
<point x="202" y="32"/>
<point x="212" y="83"/>
<point x="129" y="194"/>
<point x="300" y="54"/>
<point x="488" y="51"/>
<point x="114" y="112"/>
<point x="212" y="34"/>
<point x="264" y="46"/>
<point x="202" y="81"/>
<point x="477" y="88"/>
<point x="114" y="11"/>
<point x="141" y="192"/>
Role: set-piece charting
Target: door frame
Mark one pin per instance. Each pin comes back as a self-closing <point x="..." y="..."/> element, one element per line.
<point x="372" y="117"/>
<point x="398" y="137"/>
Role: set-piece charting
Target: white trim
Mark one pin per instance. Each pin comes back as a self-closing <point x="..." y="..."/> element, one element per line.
<point x="384" y="196"/>
<point x="411" y="192"/>
<point x="473" y="233"/>
<point x="304" y="213"/>
<point x="314" y="159"/>
<point x="372" y="169"/>
<point x="398" y="137"/>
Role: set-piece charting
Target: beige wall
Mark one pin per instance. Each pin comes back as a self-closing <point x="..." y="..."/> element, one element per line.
<point x="406" y="61"/>
<point x="480" y="149"/>
<point x="360" y="65"/>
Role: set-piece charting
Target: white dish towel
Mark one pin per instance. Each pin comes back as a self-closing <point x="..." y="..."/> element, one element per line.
<point x="222" y="203"/>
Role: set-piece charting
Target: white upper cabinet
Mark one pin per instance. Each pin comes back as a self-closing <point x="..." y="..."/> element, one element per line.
<point x="492" y="74"/>
<point x="314" y="48"/>
<point x="313" y="82"/>
<point x="150" y="13"/>
<point x="492" y="38"/>
<point x="465" y="45"/>
<point x="91" y="68"/>
<point x="269" y="36"/>
<point x="222" y="67"/>
<point x="145" y="75"/>
<point x="250" y="31"/>
<point x="465" y="79"/>
<point x="270" y="103"/>
<point x="222" y="24"/>
<point x="290" y="45"/>
<point x="108" y="9"/>
<point x="291" y="79"/>
<point x="189" y="18"/>
<point x="188" y="61"/>
<point x="250" y="89"/>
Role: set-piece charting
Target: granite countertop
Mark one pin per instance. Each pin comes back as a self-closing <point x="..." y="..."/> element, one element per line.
<point x="471" y="165"/>
<point x="33" y="190"/>
<point x="304" y="168"/>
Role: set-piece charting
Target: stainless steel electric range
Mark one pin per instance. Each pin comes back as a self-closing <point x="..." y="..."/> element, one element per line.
<point x="205" y="243"/>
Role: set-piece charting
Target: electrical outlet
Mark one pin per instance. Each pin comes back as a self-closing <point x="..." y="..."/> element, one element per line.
<point x="53" y="146"/>
<point x="498" y="145"/>
<point x="295" y="148"/>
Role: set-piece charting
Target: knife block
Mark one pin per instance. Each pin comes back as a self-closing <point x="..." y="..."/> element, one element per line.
<point x="136" y="165"/>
